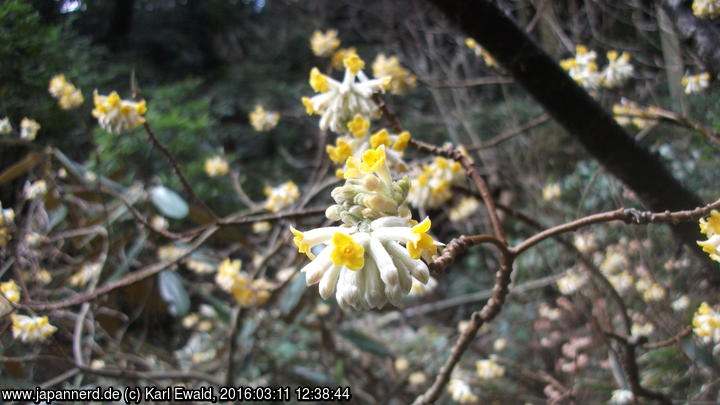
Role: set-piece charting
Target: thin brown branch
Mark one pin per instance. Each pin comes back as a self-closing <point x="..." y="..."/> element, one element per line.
<point x="544" y="118"/>
<point x="176" y="167"/>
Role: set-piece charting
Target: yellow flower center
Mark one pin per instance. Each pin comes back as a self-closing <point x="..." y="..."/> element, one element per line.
<point x="358" y="126"/>
<point x="340" y="152"/>
<point x="612" y="55"/>
<point x="346" y="252"/>
<point x="354" y="63"/>
<point x="421" y="240"/>
<point x="373" y="159"/>
<point x="113" y="100"/>
<point x="309" y="109"/>
<point x="318" y="81"/>
<point x="302" y="246"/>
<point x="380" y="138"/>
<point x="402" y="141"/>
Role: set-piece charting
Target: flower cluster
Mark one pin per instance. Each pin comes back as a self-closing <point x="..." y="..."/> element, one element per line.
<point x="262" y="120"/>
<point x="10" y="294"/>
<point x="706" y="323"/>
<point x="461" y="392"/>
<point x="36" y="189"/>
<point x="88" y="271"/>
<point x="571" y="282"/>
<point x="216" y="166"/>
<point x="489" y="369"/>
<point x="402" y="79"/>
<point x="339" y="102"/>
<point x="7" y="216"/>
<point x="29" y="129"/>
<point x="281" y="196"/>
<point x="710" y="227"/>
<point x="5" y="126"/>
<point x="324" y="44"/>
<point x="348" y="149"/>
<point x="583" y="69"/>
<point x="247" y="292"/>
<point x="481" y="52"/>
<point x="116" y="115"/>
<point x="374" y="255"/>
<point x="31" y="328"/>
<point x="68" y="95"/>
<point x="432" y="186"/>
<point x="628" y="112"/>
<point x="551" y="191"/>
<point x="706" y="8"/>
<point x="696" y="83"/>
<point x="464" y="209"/>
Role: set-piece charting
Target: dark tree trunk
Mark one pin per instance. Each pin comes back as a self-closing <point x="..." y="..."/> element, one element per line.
<point x="702" y="34"/>
<point x="121" y="20"/>
<point x="574" y="109"/>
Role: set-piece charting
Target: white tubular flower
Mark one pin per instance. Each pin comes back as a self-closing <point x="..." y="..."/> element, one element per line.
<point x="696" y="83"/>
<point x="281" y="196"/>
<point x="324" y="44"/>
<point x="461" y="392"/>
<point x="432" y="187"/>
<point x="5" y="126"/>
<point x="618" y="69"/>
<point x="29" y="129"/>
<point x="339" y="102"/>
<point x="31" y="329"/>
<point x="706" y="8"/>
<point x="216" y="166"/>
<point x="262" y="120"/>
<point x="116" y="115"/>
<point x="419" y="289"/>
<point x="374" y="256"/>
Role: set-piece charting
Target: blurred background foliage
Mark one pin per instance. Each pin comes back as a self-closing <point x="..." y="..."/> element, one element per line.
<point x="203" y="66"/>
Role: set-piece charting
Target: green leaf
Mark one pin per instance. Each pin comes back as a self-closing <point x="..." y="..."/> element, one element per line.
<point x="293" y="294"/>
<point x="174" y="293"/>
<point x="699" y="354"/>
<point x="365" y="343"/>
<point x="168" y="202"/>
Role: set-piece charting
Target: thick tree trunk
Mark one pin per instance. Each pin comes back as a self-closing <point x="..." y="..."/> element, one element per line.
<point x="703" y="34"/>
<point x="574" y="109"/>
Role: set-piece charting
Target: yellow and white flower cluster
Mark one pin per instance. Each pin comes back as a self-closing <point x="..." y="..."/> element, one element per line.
<point x="324" y="44"/>
<point x="571" y="282"/>
<point x="10" y="295"/>
<point x="489" y="369"/>
<point x="31" y="329"/>
<point x="88" y="271"/>
<point x="402" y="79"/>
<point x="34" y="190"/>
<point x="706" y="323"/>
<point x="262" y="120"/>
<point x="481" y="52"/>
<point x="706" y="8"/>
<point x="696" y="83"/>
<point x="583" y="69"/>
<point x="710" y="227"/>
<point x="432" y="186"/>
<point x="281" y="196"/>
<point x="461" y="392"/>
<point x="5" y="126"/>
<point x="68" y="95"/>
<point x="7" y="216"/>
<point x="116" y="115"/>
<point x="339" y="102"/>
<point x="629" y="112"/>
<point x="464" y="209"/>
<point x="216" y="166"/>
<point x="247" y="292"/>
<point x="348" y="149"/>
<point x="373" y="256"/>
<point x="29" y="129"/>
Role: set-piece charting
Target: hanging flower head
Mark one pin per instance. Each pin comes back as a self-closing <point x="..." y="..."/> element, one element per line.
<point x="402" y="79"/>
<point x="339" y="102"/>
<point x="374" y="255"/>
<point x="216" y="166"/>
<point x="5" y="126"/>
<point x="29" y="129"/>
<point x="706" y="8"/>
<point x="31" y="328"/>
<point x="582" y="68"/>
<point x="696" y="83"/>
<point x="618" y="69"/>
<point x="706" y="323"/>
<point x="68" y="95"/>
<point x="262" y="120"/>
<point x="324" y="44"/>
<point x="281" y="196"/>
<point x="432" y="186"/>
<point x="116" y="115"/>
<point x="710" y="227"/>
